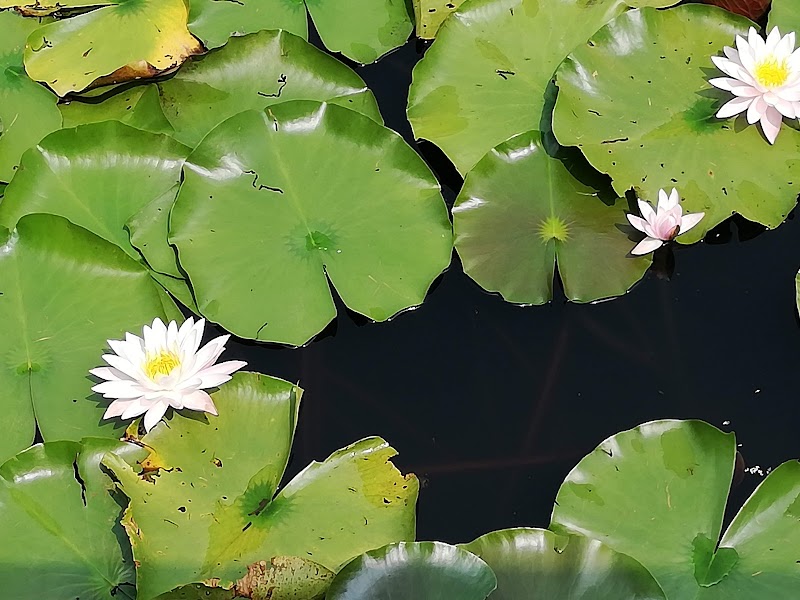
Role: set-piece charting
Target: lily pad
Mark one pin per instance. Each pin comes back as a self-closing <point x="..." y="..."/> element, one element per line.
<point x="521" y="211"/>
<point x="27" y="110"/>
<point x="138" y="107"/>
<point x="283" y="578"/>
<point x="254" y="72"/>
<point x="100" y="176"/>
<point x="785" y="15"/>
<point x="636" y="101"/>
<point x="204" y="504"/>
<point x="65" y="292"/>
<point x="658" y="492"/>
<point x="411" y="571"/>
<point x="59" y="523"/>
<point x="130" y="40"/>
<point x="430" y="14"/>
<point x="214" y="21"/>
<point x="484" y="79"/>
<point x="561" y="568"/>
<point x="40" y="8"/>
<point x="273" y="203"/>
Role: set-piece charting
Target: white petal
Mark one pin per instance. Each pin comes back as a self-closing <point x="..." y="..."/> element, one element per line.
<point x="135" y="408"/>
<point x="120" y="364"/>
<point x="116" y="408"/>
<point x="109" y="374"/>
<point x="746" y="53"/>
<point x="756" y="109"/>
<point x="184" y="330"/>
<point x="736" y="87"/>
<point x="734" y="107"/>
<point x="646" y="246"/>
<point x="154" y="415"/>
<point x="732" y="54"/>
<point x="220" y="373"/>
<point x="663" y="202"/>
<point x="209" y="353"/>
<point x="771" y="123"/>
<point x="637" y="222"/>
<point x="200" y="400"/>
<point x="773" y="39"/>
<point x="756" y="42"/>
<point x="689" y="221"/>
<point x="785" y="108"/>
<point x="119" y="389"/>
<point x="646" y="211"/>
<point x="675" y="200"/>
<point x="785" y="47"/>
<point x="172" y="335"/>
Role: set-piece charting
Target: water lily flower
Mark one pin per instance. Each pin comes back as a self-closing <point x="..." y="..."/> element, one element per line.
<point x="164" y="368"/>
<point x="765" y="78"/>
<point x="663" y="224"/>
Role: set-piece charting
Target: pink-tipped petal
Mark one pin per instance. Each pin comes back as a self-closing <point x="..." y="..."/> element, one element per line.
<point x="756" y="109"/>
<point x="134" y="408"/>
<point x="690" y="220"/>
<point x="200" y="400"/>
<point x="637" y="222"/>
<point x="734" y="107"/>
<point x="771" y="123"/>
<point x="646" y="246"/>
<point x="116" y="409"/>
<point x="154" y="414"/>
<point x="646" y="211"/>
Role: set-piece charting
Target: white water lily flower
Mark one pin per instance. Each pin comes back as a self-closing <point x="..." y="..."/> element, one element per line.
<point x="147" y="376"/>
<point x="663" y="224"/>
<point x="765" y="78"/>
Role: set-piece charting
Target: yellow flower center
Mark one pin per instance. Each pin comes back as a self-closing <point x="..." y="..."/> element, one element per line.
<point x="162" y="363"/>
<point x="772" y="72"/>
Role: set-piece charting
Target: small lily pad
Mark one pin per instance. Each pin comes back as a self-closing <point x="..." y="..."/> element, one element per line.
<point x="65" y="292"/>
<point x="134" y="39"/>
<point x="27" y="110"/>
<point x="59" y="522"/>
<point x="274" y="203"/>
<point x="412" y="571"/>
<point x="205" y="504"/>
<point x="658" y="493"/>
<point x="561" y="568"/>
<point x="484" y="79"/>
<point x="521" y="211"/>
<point x="637" y="102"/>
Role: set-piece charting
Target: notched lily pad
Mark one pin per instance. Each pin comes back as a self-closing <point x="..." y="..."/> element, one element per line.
<point x="521" y="211"/>
<point x="430" y="14"/>
<point x="658" y="493"/>
<point x="204" y="503"/>
<point x="132" y="40"/>
<point x="65" y="292"/>
<point x="259" y="236"/>
<point x="59" y="524"/>
<point x="411" y="571"/>
<point x="637" y="102"/>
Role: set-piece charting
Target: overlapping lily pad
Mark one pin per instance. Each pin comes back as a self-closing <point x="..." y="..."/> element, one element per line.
<point x="101" y="176"/>
<point x="273" y="203"/>
<point x="65" y="292"/>
<point x="521" y="211"/>
<point x="211" y="508"/>
<point x="137" y="38"/>
<point x="484" y="78"/>
<point x="636" y="101"/>
<point x="785" y="15"/>
<point x="254" y="72"/>
<point x="430" y="14"/>
<point x="561" y="568"/>
<point x="138" y="107"/>
<point x="406" y="571"/>
<point x="48" y="7"/>
<point x="214" y="21"/>
<point x="658" y="492"/>
<point x="70" y="548"/>
<point x="27" y="111"/>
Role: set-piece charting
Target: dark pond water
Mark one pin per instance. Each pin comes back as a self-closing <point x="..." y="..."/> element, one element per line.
<point x="492" y="404"/>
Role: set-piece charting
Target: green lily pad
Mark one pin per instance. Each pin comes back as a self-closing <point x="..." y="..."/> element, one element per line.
<point x="430" y="14"/>
<point x="138" y="107"/>
<point x="27" y="110"/>
<point x="259" y="235"/>
<point x="658" y="492"/>
<point x="40" y="8"/>
<point x="785" y="15"/>
<point x="134" y="39"/>
<point x="65" y="292"/>
<point x="59" y="523"/>
<point x="411" y="571"/>
<point x="363" y="30"/>
<point x="205" y="504"/>
<point x="101" y="176"/>
<point x="254" y="72"/>
<point x="521" y="211"/>
<point x="607" y="107"/>
<point x="484" y="79"/>
<point x="214" y="21"/>
<point x="283" y="578"/>
<point x="561" y="568"/>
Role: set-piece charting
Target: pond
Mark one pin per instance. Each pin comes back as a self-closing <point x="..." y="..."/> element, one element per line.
<point x="493" y="404"/>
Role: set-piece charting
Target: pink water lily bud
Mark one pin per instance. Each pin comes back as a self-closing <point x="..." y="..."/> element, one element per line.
<point x="663" y="224"/>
